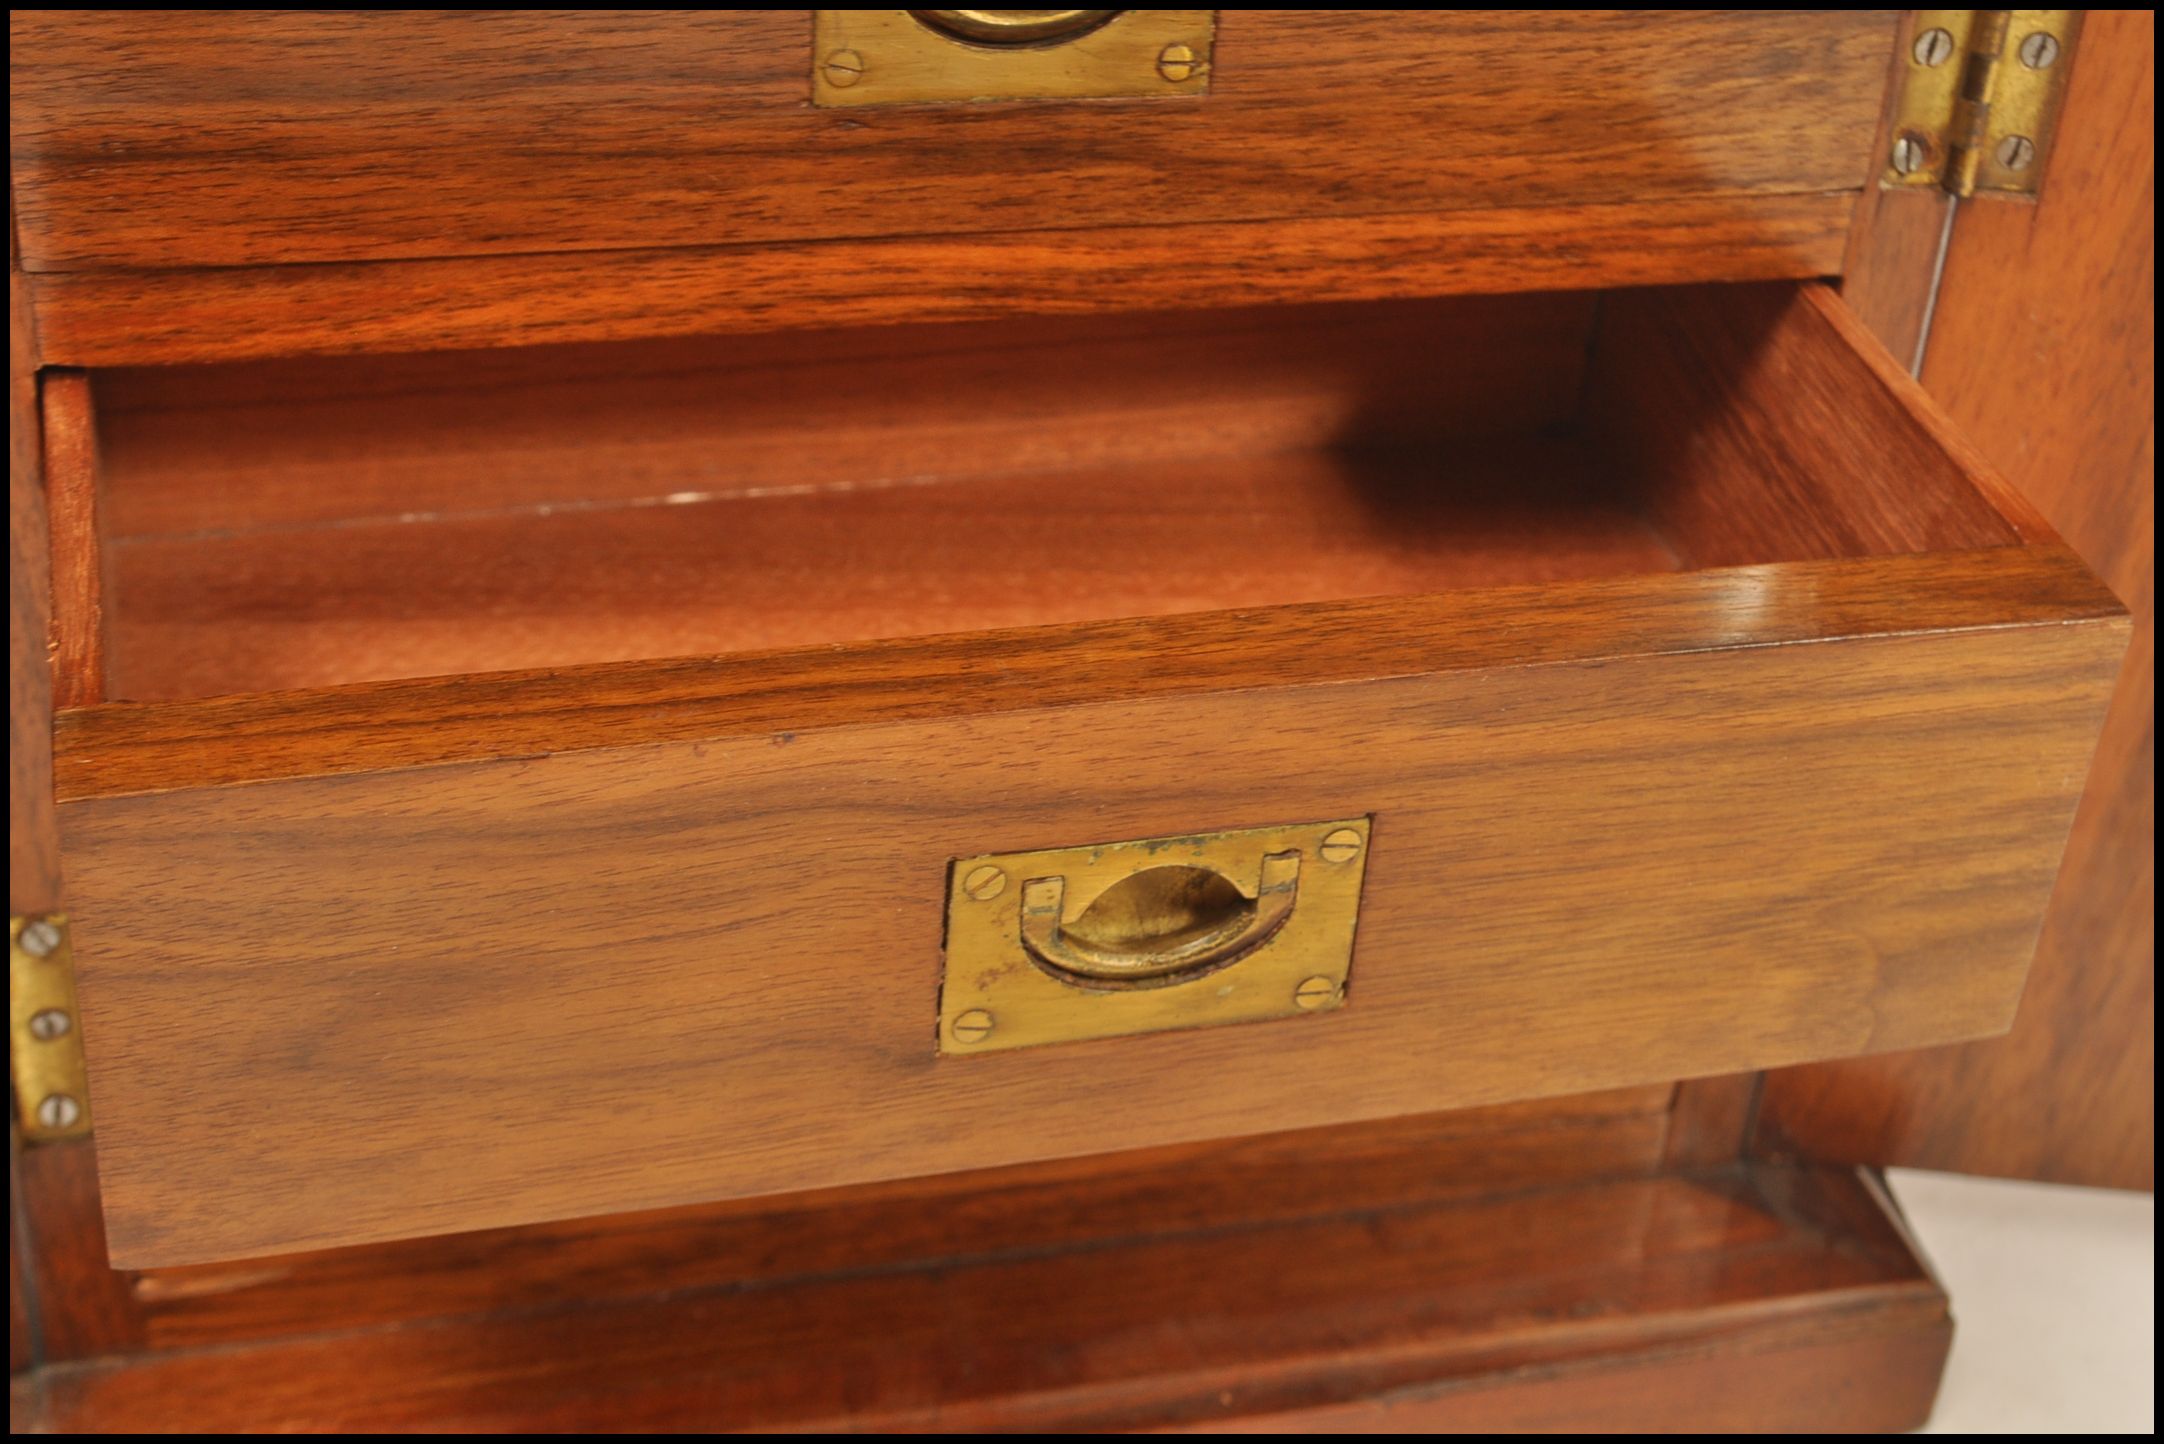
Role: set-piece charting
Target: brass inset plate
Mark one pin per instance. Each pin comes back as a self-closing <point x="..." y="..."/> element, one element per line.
<point x="1142" y="937"/>
<point x="892" y="57"/>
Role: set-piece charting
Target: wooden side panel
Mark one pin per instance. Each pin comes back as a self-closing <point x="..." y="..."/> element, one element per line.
<point x="930" y="1222"/>
<point x="33" y="845"/>
<point x="2044" y="351"/>
<point x="284" y="444"/>
<point x="1733" y="1300"/>
<point x="1768" y="426"/>
<point x="219" y="614"/>
<point x="488" y="993"/>
<point x="72" y="489"/>
<point x="202" y="138"/>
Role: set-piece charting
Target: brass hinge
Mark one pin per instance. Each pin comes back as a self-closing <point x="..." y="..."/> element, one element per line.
<point x="45" y="1035"/>
<point x="1980" y="96"/>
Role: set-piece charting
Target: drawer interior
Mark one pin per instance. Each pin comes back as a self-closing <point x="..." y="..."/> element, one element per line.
<point x="303" y="523"/>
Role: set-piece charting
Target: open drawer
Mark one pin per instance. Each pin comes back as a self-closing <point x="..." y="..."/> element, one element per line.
<point x="1713" y="706"/>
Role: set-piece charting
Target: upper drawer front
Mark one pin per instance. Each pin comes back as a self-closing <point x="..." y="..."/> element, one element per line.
<point x="247" y="138"/>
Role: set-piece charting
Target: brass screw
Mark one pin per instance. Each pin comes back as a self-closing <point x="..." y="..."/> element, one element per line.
<point x="58" y="1110"/>
<point x="1909" y="155"/>
<point x="1932" y="48"/>
<point x="1178" y="62"/>
<point x="1341" y="846"/>
<point x="2016" y="152"/>
<point x="49" y="1023"/>
<point x="973" y="1026"/>
<point x="985" y="883"/>
<point x="843" y="69"/>
<point x="1315" y="992"/>
<point x="39" y="938"/>
<point x="2040" y="50"/>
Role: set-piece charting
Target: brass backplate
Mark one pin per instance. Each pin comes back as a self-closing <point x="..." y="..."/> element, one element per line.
<point x="997" y="995"/>
<point x="45" y="1036"/>
<point x="891" y="57"/>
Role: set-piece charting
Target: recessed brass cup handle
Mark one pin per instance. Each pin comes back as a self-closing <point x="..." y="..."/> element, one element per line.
<point x="1013" y="27"/>
<point x="1161" y="926"/>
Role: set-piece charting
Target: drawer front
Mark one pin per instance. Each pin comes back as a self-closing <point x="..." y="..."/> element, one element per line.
<point x="426" y="956"/>
<point x="333" y="1009"/>
<point x="240" y="139"/>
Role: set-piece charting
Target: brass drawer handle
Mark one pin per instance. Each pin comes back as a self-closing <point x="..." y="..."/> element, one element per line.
<point x="1014" y="27"/>
<point x="1161" y="926"/>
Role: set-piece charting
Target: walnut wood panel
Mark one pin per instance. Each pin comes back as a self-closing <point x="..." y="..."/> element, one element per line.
<point x="92" y="1309"/>
<point x="935" y="1221"/>
<point x="1699" y="862"/>
<point x="164" y="317"/>
<point x="237" y="448"/>
<point x="274" y="610"/>
<point x="33" y="845"/>
<point x="198" y="138"/>
<point x="1600" y="1300"/>
<point x="119" y="749"/>
<point x="72" y="485"/>
<point x="1763" y="425"/>
<point x="85" y="1307"/>
<point x="2044" y="350"/>
<point x="1767" y="425"/>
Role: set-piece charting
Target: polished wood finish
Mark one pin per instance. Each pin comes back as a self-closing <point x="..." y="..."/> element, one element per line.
<point x="252" y="447"/>
<point x="1711" y="1120"/>
<point x="407" y="929"/>
<point x="72" y="484"/>
<point x="1456" y="1312"/>
<point x="122" y="749"/>
<point x="33" y="844"/>
<point x="93" y="1310"/>
<point x="85" y="1308"/>
<point x="233" y="140"/>
<point x="2044" y="351"/>
<point x="1768" y="426"/>
<point x="210" y="615"/>
<point x="126" y="318"/>
<point x="1066" y="1204"/>
<point x="360" y="948"/>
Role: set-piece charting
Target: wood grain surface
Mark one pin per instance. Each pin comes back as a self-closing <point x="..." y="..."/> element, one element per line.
<point x="33" y="842"/>
<point x="1576" y="1306"/>
<point x="127" y="748"/>
<point x="1763" y="425"/>
<point x="218" y="614"/>
<point x="230" y="139"/>
<point x="119" y="318"/>
<point x="232" y="449"/>
<point x="582" y="948"/>
<point x="943" y="1220"/>
<point x="73" y="482"/>
<point x="363" y="521"/>
<point x="2044" y="351"/>
<point x="90" y="1309"/>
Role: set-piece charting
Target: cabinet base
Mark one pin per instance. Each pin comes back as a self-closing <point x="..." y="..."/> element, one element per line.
<point x="1736" y="1298"/>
